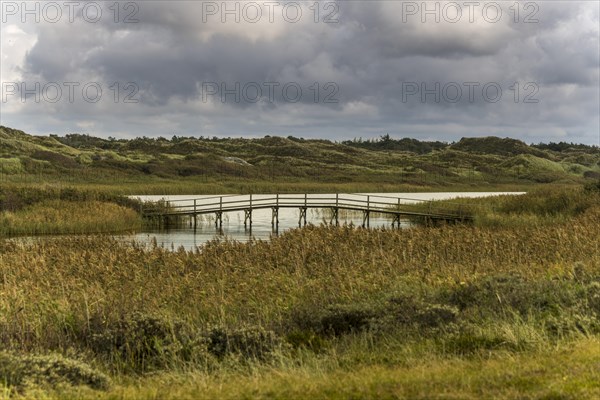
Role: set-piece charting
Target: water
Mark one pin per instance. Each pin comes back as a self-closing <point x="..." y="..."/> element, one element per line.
<point x="233" y="222"/>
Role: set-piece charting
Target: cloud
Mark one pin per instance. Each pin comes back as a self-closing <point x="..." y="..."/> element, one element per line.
<point x="353" y="74"/>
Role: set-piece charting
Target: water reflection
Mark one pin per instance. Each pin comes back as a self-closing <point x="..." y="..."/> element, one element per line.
<point x="233" y="227"/>
<point x="233" y="222"/>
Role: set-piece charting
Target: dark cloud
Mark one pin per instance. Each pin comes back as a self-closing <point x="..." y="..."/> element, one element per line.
<point x="374" y="55"/>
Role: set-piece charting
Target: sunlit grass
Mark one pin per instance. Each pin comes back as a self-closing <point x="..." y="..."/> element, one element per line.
<point x="457" y="311"/>
<point x="68" y="217"/>
<point x="566" y="372"/>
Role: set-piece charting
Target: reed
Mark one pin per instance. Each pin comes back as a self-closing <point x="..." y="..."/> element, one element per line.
<point x="539" y="206"/>
<point x="314" y="306"/>
<point x="69" y="217"/>
<point x="48" y="209"/>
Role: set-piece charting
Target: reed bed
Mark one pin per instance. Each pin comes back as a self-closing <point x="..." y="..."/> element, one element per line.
<point x="539" y="206"/>
<point x="318" y="312"/>
<point x="256" y="282"/>
<point x="328" y="299"/>
<point x="69" y="217"/>
<point x="50" y="209"/>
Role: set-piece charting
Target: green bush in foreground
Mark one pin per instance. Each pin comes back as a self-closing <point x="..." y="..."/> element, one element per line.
<point x="20" y="372"/>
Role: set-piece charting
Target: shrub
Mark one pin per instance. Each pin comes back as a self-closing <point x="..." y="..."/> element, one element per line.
<point x="147" y="342"/>
<point x="24" y="371"/>
<point x="593" y="187"/>
<point x="342" y="319"/>
<point x="495" y="294"/>
<point x="306" y="339"/>
<point x="250" y="343"/>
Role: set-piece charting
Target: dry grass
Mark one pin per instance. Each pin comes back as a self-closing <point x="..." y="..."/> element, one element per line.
<point x="450" y="312"/>
<point x="258" y="281"/>
<point x="68" y="217"/>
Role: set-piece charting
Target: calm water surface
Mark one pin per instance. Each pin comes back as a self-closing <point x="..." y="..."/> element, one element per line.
<point x="233" y="222"/>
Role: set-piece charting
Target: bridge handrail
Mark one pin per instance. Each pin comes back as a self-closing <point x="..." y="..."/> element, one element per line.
<point x="296" y="200"/>
<point x="331" y="201"/>
<point x="365" y="202"/>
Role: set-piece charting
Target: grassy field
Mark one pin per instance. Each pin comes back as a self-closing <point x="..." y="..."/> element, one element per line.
<point x="497" y="311"/>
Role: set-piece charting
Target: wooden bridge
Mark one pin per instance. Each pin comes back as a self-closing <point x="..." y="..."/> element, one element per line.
<point x="396" y="207"/>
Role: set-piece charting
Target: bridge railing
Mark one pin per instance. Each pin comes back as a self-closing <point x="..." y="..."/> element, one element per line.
<point x="356" y="201"/>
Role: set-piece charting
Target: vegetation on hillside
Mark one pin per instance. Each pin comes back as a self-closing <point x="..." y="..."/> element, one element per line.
<point x="287" y="164"/>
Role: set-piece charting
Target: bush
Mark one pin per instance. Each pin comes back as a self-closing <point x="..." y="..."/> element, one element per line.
<point x="593" y="187"/>
<point x="146" y="342"/>
<point x="397" y="312"/>
<point x="409" y="310"/>
<point x="250" y="343"/>
<point x="342" y="319"/>
<point x="493" y="295"/>
<point x="20" y="372"/>
<point x="468" y="343"/>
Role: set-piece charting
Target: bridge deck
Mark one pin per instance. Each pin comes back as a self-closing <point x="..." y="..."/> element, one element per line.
<point x="367" y="204"/>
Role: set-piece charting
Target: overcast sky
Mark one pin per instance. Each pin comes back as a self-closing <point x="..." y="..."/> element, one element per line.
<point x="334" y="70"/>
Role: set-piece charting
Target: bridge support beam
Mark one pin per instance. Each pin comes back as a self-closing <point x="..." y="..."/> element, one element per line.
<point x="219" y="219"/>
<point x="275" y="218"/>
<point x="302" y="216"/>
<point x="334" y="216"/>
<point x="366" y="218"/>
<point x="248" y="218"/>
<point x="396" y="220"/>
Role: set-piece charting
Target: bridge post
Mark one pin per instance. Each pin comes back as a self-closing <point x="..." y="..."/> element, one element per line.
<point x="368" y="210"/>
<point x="166" y="222"/>
<point x="396" y="220"/>
<point x="195" y="215"/>
<point x="248" y="218"/>
<point x="304" y="209"/>
<point x="365" y="222"/>
<point x="302" y="217"/>
<point x="336" y="209"/>
<point x="275" y="213"/>
<point x="219" y="219"/>
<point x="275" y="217"/>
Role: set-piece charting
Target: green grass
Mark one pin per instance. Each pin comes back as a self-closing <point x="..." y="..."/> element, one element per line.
<point x="568" y="371"/>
